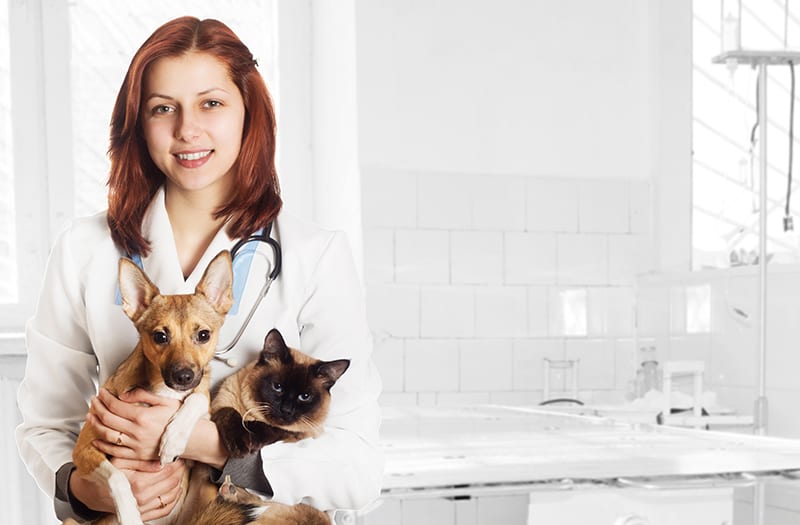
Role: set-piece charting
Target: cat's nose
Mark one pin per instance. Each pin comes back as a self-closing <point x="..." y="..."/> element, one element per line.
<point x="287" y="411"/>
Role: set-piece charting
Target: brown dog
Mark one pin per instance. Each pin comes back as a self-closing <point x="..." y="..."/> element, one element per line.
<point x="177" y="338"/>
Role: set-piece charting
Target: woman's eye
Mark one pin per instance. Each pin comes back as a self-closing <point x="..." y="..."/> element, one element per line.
<point x="213" y="104"/>
<point x="277" y="387"/>
<point x="203" y="336"/>
<point x="161" y="110"/>
<point x="160" y="337"/>
<point x="304" y="397"/>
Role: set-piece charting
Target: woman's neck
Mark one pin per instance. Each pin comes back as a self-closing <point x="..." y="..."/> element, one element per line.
<point x="194" y="226"/>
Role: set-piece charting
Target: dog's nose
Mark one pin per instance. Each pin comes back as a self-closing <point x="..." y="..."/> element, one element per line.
<point x="181" y="376"/>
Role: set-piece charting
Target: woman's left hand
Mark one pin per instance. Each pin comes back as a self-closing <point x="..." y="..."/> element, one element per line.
<point x="131" y="427"/>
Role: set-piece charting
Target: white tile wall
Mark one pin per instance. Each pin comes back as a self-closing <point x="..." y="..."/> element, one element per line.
<point x="552" y="205"/>
<point x="603" y="206"/>
<point x="472" y="280"/>
<point x="477" y="257"/>
<point x="422" y="256"/>
<point x="486" y="365"/>
<point x="394" y="310"/>
<point x="447" y="311"/>
<point x="432" y="365"/>
<point x="501" y="311"/>
<point x="530" y="258"/>
<point x="582" y="259"/>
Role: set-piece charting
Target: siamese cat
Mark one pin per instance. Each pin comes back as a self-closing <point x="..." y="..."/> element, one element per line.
<point x="284" y="395"/>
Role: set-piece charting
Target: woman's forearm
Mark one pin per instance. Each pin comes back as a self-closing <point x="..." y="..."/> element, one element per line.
<point x="205" y="446"/>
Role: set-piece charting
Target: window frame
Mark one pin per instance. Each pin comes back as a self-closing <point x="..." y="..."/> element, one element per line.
<point x="41" y="144"/>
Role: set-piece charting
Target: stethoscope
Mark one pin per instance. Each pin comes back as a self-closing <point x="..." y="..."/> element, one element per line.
<point x="262" y="236"/>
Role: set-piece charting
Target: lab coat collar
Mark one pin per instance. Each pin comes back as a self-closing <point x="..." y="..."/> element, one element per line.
<point x="162" y="264"/>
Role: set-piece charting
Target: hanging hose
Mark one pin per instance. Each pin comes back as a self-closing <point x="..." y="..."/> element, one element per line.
<point x="788" y="223"/>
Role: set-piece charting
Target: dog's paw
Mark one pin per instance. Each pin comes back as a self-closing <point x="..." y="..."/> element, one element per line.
<point x="173" y="443"/>
<point x="176" y="435"/>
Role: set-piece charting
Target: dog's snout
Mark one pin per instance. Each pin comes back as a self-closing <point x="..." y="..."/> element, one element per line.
<point x="181" y="377"/>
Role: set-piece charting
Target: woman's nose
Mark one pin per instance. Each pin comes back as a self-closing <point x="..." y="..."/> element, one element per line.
<point x="188" y="128"/>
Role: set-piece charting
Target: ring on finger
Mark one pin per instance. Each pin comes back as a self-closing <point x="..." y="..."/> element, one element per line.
<point x="119" y="438"/>
<point x="161" y="503"/>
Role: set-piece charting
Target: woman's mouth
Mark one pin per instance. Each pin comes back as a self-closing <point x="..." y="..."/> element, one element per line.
<point x="193" y="159"/>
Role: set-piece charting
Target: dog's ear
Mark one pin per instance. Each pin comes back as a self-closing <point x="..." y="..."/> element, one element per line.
<point x="217" y="282"/>
<point x="136" y="289"/>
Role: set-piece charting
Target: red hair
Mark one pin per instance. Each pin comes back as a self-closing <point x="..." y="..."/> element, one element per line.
<point x="134" y="178"/>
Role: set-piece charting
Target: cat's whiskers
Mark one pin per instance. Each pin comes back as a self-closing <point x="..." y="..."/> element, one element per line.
<point x="259" y="407"/>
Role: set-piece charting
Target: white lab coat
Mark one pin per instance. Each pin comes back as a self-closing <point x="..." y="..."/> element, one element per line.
<point x="78" y="336"/>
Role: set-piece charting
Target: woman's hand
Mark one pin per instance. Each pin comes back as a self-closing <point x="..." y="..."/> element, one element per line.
<point x="130" y="427"/>
<point x="156" y="488"/>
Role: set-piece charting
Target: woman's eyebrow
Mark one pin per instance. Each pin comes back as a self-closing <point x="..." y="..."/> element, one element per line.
<point x="199" y="93"/>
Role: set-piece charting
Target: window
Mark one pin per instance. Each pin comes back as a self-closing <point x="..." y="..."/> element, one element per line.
<point x="725" y="165"/>
<point x="61" y="65"/>
<point x="8" y="259"/>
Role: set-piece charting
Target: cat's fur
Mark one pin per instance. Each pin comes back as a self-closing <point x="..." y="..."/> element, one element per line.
<point x="284" y="395"/>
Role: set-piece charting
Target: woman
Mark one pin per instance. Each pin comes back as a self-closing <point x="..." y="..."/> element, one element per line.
<point x="192" y="171"/>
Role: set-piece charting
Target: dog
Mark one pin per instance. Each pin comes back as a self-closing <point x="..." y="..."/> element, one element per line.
<point x="177" y="338"/>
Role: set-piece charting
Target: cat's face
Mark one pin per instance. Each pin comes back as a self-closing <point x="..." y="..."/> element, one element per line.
<point x="291" y="388"/>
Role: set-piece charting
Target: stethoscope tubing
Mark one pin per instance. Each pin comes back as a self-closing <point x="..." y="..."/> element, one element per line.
<point x="263" y="236"/>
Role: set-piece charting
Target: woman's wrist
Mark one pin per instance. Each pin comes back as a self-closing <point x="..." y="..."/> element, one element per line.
<point x="205" y="446"/>
<point x="81" y="490"/>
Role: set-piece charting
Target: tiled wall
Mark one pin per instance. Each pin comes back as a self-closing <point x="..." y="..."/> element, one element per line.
<point x="472" y="280"/>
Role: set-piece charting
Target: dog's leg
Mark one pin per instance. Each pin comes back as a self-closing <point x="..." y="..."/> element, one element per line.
<point x="176" y="435"/>
<point x="121" y="493"/>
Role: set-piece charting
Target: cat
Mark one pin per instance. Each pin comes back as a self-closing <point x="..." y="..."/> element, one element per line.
<point x="236" y="506"/>
<point x="283" y="395"/>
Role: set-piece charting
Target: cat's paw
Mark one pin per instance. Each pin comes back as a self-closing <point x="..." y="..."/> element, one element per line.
<point x="232" y="433"/>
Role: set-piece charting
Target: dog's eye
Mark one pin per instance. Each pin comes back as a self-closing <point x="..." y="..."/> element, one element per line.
<point x="304" y="397"/>
<point x="203" y="336"/>
<point x="160" y="337"/>
<point x="277" y="387"/>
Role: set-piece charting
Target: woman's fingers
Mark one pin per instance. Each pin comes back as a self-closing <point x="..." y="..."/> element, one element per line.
<point x="105" y="420"/>
<point x="157" y="493"/>
<point x="161" y="505"/>
<point x="119" y="408"/>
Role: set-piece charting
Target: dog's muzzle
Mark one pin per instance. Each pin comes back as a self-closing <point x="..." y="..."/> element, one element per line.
<point x="182" y="376"/>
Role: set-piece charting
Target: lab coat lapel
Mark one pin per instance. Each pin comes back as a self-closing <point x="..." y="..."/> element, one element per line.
<point x="162" y="264"/>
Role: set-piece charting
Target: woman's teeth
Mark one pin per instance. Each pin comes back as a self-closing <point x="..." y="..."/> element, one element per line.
<point x="193" y="156"/>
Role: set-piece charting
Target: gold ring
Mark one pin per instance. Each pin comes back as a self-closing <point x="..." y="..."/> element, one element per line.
<point x="161" y="503"/>
<point x="119" y="439"/>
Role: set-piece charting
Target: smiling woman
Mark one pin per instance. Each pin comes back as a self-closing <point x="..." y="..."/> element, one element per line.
<point x="61" y="64"/>
<point x="60" y="127"/>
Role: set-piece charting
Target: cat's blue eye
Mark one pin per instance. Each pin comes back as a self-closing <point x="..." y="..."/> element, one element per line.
<point x="304" y="397"/>
<point x="277" y="387"/>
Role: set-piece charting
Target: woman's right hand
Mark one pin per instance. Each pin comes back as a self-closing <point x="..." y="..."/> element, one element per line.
<point x="156" y="488"/>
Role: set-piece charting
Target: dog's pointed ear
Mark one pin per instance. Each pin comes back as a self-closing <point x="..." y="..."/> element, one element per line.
<point x="136" y="289"/>
<point x="274" y="348"/>
<point x="217" y="282"/>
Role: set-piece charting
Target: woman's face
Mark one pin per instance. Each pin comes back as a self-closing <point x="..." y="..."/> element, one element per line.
<point x="193" y="120"/>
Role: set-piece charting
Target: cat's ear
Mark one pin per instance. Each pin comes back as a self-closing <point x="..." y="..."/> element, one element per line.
<point x="331" y="371"/>
<point x="274" y="347"/>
